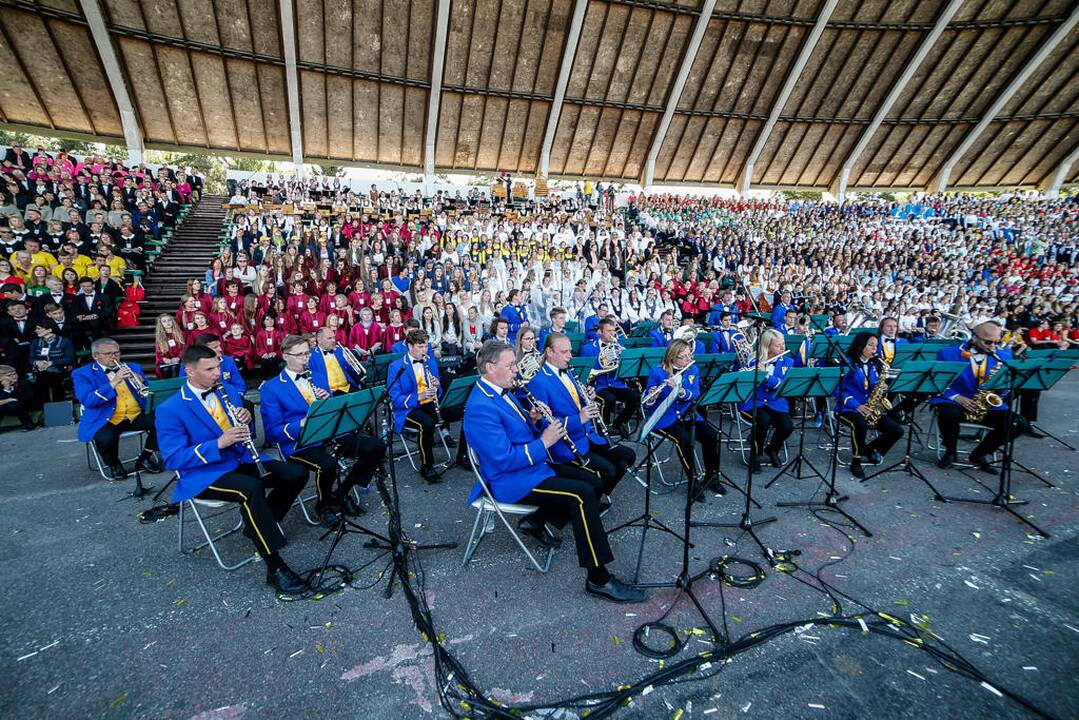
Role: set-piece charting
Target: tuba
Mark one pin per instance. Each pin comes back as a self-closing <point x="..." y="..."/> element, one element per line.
<point x="743" y="346"/>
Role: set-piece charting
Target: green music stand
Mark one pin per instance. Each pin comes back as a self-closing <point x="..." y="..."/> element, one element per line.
<point x="457" y="393"/>
<point x="378" y="366"/>
<point x="637" y="363"/>
<point x="712" y="365"/>
<point x="919" y="379"/>
<point x="804" y="383"/>
<point x="793" y="343"/>
<point x="642" y="328"/>
<point x="819" y="322"/>
<point x="162" y="390"/>
<point x="634" y="341"/>
<point x="334" y="417"/>
<point x="1049" y="373"/>
<point x="582" y="367"/>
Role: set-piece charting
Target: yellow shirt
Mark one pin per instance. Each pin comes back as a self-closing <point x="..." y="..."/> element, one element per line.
<point x="41" y="257"/>
<point x="334" y="374"/>
<point x="127" y="407"/>
<point x="421" y="378"/>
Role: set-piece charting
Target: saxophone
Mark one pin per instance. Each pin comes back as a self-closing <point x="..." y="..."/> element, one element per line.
<point x="984" y="400"/>
<point x="878" y="403"/>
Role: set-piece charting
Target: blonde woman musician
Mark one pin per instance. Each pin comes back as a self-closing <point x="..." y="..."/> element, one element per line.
<point x="773" y="412"/>
<point x="678" y="374"/>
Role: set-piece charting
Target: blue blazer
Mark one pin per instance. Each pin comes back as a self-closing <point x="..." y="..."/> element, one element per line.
<point x="855" y="387"/>
<point x="723" y="341"/>
<point x="283" y="407"/>
<point x="606" y="380"/>
<point x="516" y="316"/>
<point x="98" y="397"/>
<point x="230" y="375"/>
<point x="591" y="326"/>
<point x="187" y="436"/>
<point x="779" y="317"/>
<point x="691" y="383"/>
<point x="880" y="344"/>
<point x="966" y="384"/>
<point x="660" y="337"/>
<point x="507" y="445"/>
<point x="548" y="388"/>
<point x="404" y="393"/>
<point x="766" y="390"/>
<point x="320" y="377"/>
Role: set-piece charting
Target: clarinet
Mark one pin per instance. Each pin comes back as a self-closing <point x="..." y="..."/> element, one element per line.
<point x="599" y="424"/>
<point x="249" y="444"/>
<point x="427" y="379"/>
<point x="549" y="417"/>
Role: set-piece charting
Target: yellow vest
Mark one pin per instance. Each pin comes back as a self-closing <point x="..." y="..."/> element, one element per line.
<point x="335" y="375"/>
<point x="127" y="407"/>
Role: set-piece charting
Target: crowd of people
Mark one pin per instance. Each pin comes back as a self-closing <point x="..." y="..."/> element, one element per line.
<point x="74" y="238"/>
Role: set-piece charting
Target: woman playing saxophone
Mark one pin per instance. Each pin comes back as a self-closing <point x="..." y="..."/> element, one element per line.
<point x="863" y="403"/>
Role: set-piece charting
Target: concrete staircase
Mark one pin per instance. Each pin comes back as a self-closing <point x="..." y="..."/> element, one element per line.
<point x="193" y="245"/>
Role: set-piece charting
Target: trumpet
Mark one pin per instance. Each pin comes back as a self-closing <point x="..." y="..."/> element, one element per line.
<point x="134" y="379"/>
<point x="249" y="444"/>
<point x="354" y="362"/>
<point x="652" y="395"/>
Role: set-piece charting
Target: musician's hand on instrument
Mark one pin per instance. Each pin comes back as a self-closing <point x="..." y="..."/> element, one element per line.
<point x="321" y="394"/>
<point x="534" y="414"/>
<point x="673" y="381"/>
<point x="243" y="415"/>
<point x="863" y="409"/>
<point x="235" y="434"/>
<point x="964" y="402"/>
<point x="552" y="433"/>
<point x="119" y="377"/>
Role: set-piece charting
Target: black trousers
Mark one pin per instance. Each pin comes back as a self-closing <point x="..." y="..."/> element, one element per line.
<point x="261" y="511"/>
<point x="630" y="399"/>
<point x="566" y="499"/>
<point x="606" y="466"/>
<point x="49" y="387"/>
<point x="769" y="419"/>
<point x="107" y="439"/>
<point x="1028" y="404"/>
<point x="950" y="415"/>
<point x="704" y="434"/>
<point x="367" y="451"/>
<point x="423" y="420"/>
<point x="17" y="409"/>
<point x="888" y="433"/>
<point x="170" y="371"/>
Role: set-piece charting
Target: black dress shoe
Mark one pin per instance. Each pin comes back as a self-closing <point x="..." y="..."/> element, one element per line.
<point x="773" y="457"/>
<point x="150" y="464"/>
<point x="117" y="471"/>
<point x="350" y="507"/>
<point x="604" y="505"/>
<point x="430" y="475"/>
<point x="1032" y="433"/>
<point x="711" y="483"/>
<point x="875" y="458"/>
<point x="450" y="442"/>
<point x="284" y="580"/>
<point x="462" y="463"/>
<point x="856" y="469"/>
<point x="539" y="532"/>
<point x="328" y="515"/>
<point x="946" y="460"/>
<point x="616" y="591"/>
<point x="982" y="464"/>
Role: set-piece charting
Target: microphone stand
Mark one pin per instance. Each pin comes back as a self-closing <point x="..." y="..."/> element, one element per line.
<point x="1003" y="497"/>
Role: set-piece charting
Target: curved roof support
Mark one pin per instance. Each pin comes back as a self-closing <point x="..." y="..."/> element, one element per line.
<point x="438" y="63"/>
<point x="572" y="38"/>
<point x="292" y="81"/>
<point x="129" y="120"/>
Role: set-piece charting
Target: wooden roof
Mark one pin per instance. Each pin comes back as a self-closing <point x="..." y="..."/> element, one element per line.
<point x="212" y="74"/>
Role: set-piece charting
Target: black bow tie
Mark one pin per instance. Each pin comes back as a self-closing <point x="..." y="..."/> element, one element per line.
<point x="327" y="352"/>
<point x="207" y="393"/>
<point x="306" y="375"/>
<point x="505" y="392"/>
<point x="417" y="362"/>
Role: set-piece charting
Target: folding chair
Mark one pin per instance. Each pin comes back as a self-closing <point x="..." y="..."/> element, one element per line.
<point x="486" y="509"/>
<point x="302" y="500"/>
<point x="740" y="428"/>
<point x="211" y="540"/>
<point x="971" y="432"/>
<point x="93" y="457"/>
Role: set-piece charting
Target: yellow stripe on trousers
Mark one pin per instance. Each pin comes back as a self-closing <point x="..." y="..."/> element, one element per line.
<point x="318" y="474"/>
<point x="678" y="446"/>
<point x="853" y="440"/>
<point x="251" y="517"/>
<point x="419" y="430"/>
<point x="584" y="520"/>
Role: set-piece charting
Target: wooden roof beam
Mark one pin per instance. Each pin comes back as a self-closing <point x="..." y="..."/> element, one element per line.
<point x="292" y="81"/>
<point x="784" y="94"/>
<point x="129" y="119"/>
<point x="438" y="62"/>
<point x="568" y="53"/>
<point x="675" y="96"/>
<point x="940" y="181"/>
<point x="839" y="187"/>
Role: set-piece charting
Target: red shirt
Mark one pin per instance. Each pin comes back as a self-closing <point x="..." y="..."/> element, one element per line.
<point x="391" y="335"/>
<point x="310" y="322"/>
<point x="365" y="338"/>
<point x="268" y="342"/>
<point x="239" y="348"/>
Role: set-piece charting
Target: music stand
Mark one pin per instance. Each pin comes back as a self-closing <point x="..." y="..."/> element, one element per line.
<point x="805" y="383"/>
<point x="378" y="366"/>
<point x="457" y="393"/>
<point x="1023" y="375"/>
<point x="582" y="367"/>
<point x="919" y="379"/>
<point x="1065" y="359"/>
<point x="642" y="328"/>
<point x="712" y="365"/>
<point x="728" y="388"/>
<point x="636" y="363"/>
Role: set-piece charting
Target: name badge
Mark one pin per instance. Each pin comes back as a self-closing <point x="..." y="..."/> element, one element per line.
<point x="269" y="342"/>
<point x="222" y="323"/>
<point x="172" y="343"/>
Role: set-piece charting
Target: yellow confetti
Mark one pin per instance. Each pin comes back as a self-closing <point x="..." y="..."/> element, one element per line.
<point x="902" y="602"/>
<point x="1049" y="572"/>
<point x="319" y="648"/>
<point x="328" y="625"/>
<point x="977" y="535"/>
<point x="146" y="573"/>
<point x="617" y="640"/>
<point x="181" y="601"/>
<point x="736" y="618"/>
<point x="118" y="700"/>
<point x="677" y="714"/>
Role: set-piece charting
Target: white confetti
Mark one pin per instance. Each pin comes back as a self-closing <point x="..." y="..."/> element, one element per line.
<point x="747" y="707"/>
<point x="1030" y="667"/>
<point x="992" y="689"/>
<point x="920" y="677"/>
<point x="971" y="585"/>
<point x="647" y="690"/>
<point x="24" y="657"/>
<point x="816" y="706"/>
